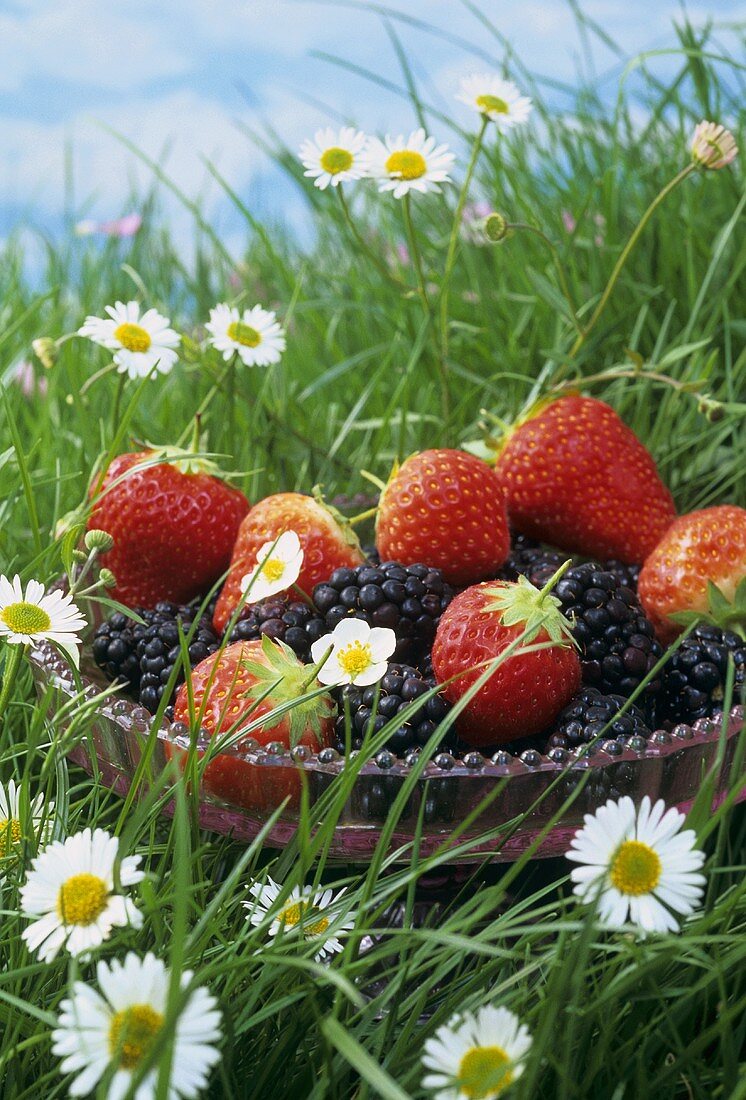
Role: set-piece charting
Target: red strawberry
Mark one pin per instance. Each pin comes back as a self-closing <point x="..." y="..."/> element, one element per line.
<point x="173" y="524"/>
<point x="526" y="691"/>
<point x="240" y="685"/>
<point x="445" y="508"/>
<point x="698" y="548"/>
<point x="577" y="477"/>
<point x="326" y="542"/>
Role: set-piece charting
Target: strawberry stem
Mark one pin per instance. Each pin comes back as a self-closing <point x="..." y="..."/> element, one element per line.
<point x="362" y="516"/>
<point x="554" y="578"/>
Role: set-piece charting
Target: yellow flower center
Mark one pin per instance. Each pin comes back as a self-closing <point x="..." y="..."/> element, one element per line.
<point x="336" y="160"/>
<point x="300" y="911"/>
<point x="406" y="164"/>
<point x="243" y="334"/>
<point x="492" y="103"/>
<point x="484" y="1072"/>
<point x="355" y="658"/>
<point x="133" y="337"/>
<point x="273" y="568"/>
<point x="635" y="869"/>
<point x="10" y="834"/>
<point x="82" y="898"/>
<point x="131" y="1034"/>
<point x="25" y="618"/>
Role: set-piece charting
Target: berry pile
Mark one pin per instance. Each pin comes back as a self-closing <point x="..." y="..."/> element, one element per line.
<point x="592" y="714"/>
<point x="400" y="685"/>
<point x="408" y="599"/>
<point x="528" y="558"/>
<point x="143" y="656"/>
<point x="290" y="621"/>
<point x="694" y="678"/>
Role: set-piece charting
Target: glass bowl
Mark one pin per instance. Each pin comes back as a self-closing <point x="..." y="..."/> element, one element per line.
<point x="239" y="796"/>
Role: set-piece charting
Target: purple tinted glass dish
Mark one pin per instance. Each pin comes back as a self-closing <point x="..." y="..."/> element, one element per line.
<point x="671" y="766"/>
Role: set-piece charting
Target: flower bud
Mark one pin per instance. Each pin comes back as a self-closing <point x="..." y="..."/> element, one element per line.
<point x="710" y="408"/>
<point x="107" y="578"/>
<point x="98" y="540"/>
<point x="79" y="555"/>
<point x="45" y="350"/>
<point x="713" y="146"/>
<point x="495" y="227"/>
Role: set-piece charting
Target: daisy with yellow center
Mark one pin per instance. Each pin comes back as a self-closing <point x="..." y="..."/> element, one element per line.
<point x="255" y="335"/>
<point x="278" y="566"/>
<point x="496" y="99"/>
<point x="358" y="653"/>
<point x="476" y="1055"/>
<point x="70" y="897"/>
<point x="314" y="916"/>
<point x="638" y="865"/>
<point x="35" y="616"/>
<point x="713" y="146"/>
<point x="15" y="825"/>
<point x="401" y="165"/>
<point x="140" y="344"/>
<point x="113" y="1032"/>
<point x="334" y="157"/>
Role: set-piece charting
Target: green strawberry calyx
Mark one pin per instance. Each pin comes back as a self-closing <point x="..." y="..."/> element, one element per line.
<point x="186" y="462"/>
<point x="722" y="612"/>
<point x="520" y="603"/>
<point x="282" y="679"/>
<point x="348" y="534"/>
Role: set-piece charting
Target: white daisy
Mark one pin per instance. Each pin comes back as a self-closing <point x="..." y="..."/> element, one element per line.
<point x="476" y="1054"/>
<point x="412" y="164"/>
<point x="334" y="157"/>
<point x="256" y="336"/>
<point x="32" y="615"/>
<point x="638" y="865"/>
<point x="278" y="566"/>
<point x="139" y="343"/>
<point x="13" y="828"/>
<point x="496" y="98"/>
<point x="113" y="1034"/>
<point x="358" y="653"/>
<point x="713" y="146"/>
<point x="300" y="913"/>
<point x="69" y="894"/>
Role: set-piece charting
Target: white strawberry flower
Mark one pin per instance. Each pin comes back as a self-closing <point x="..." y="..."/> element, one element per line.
<point x="637" y="865"/>
<point x="278" y="566"/>
<point x="140" y="344"/>
<point x="357" y="653"/>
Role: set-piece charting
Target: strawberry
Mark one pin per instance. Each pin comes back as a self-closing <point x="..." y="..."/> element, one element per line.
<point x="526" y="691"/>
<point x="173" y="524"/>
<point x="445" y="508"/>
<point x="326" y="540"/>
<point x="698" y="549"/>
<point x="577" y="477"/>
<point x="237" y="687"/>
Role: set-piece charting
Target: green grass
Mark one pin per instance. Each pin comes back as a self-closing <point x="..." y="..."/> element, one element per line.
<point x="366" y="380"/>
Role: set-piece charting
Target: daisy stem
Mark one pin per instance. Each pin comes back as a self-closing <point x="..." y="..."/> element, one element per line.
<point x="117" y="402"/>
<point x="636" y="233"/>
<point x="365" y="247"/>
<point x="559" y="266"/>
<point x="414" y="249"/>
<point x="230" y="420"/>
<point x="453" y="241"/>
<point x="203" y="406"/>
<point x="13" y="657"/>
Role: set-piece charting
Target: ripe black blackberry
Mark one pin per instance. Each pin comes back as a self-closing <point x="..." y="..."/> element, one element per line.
<point x="617" y="642"/>
<point x="400" y="685"/>
<point x="626" y="574"/>
<point x="529" y="558"/>
<point x="158" y="649"/>
<point x="592" y="714"/>
<point x="693" y="680"/>
<point x="409" y="599"/>
<point x="290" y="621"/>
<point x="115" y="647"/>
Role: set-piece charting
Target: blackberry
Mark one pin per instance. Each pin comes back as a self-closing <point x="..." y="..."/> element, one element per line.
<point x="115" y="647"/>
<point x="693" y="680"/>
<point x="528" y="558"/>
<point x="158" y="648"/>
<point x="290" y="621"/>
<point x="398" y="687"/>
<point x="592" y="714"/>
<point x="627" y="575"/>
<point x="617" y="642"/>
<point x="409" y="599"/>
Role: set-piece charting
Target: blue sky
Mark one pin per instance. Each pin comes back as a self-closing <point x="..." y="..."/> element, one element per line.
<point x="181" y="73"/>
